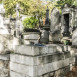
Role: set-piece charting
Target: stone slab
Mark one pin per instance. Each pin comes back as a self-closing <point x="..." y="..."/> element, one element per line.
<point x="31" y="36"/>
<point x="37" y="60"/>
<point x="34" y="50"/>
<point x="23" y="69"/>
<point x="40" y="69"/>
<point x="4" y="56"/>
<point x="15" y="74"/>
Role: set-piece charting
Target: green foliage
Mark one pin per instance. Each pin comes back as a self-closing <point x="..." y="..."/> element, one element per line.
<point x="66" y="42"/>
<point x="61" y="3"/>
<point x="28" y="7"/>
<point x="0" y="1"/>
<point x="30" y="22"/>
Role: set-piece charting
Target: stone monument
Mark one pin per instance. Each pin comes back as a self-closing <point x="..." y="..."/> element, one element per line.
<point x="67" y="22"/>
<point x="55" y="27"/>
<point x="45" y="33"/>
<point x="17" y="31"/>
<point x="55" y="20"/>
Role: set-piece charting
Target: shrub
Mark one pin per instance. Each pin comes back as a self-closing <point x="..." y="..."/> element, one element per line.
<point x="30" y="22"/>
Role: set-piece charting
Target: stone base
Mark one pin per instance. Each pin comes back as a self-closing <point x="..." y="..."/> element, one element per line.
<point x="56" y="36"/>
<point x="35" y="61"/>
<point x="31" y="37"/>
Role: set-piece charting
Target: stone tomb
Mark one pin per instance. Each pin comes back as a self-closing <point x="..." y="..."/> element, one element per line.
<point x="66" y="20"/>
<point x="40" y="61"/>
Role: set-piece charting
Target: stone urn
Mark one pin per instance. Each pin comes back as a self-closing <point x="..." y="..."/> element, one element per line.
<point x="31" y="36"/>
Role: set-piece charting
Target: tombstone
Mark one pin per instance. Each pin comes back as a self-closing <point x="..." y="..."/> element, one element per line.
<point x="45" y="33"/>
<point x="55" y="27"/>
<point x="55" y="20"/>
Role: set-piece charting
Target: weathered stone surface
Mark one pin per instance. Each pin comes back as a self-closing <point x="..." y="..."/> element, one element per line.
<point x="55" y="36"/>
<point x="6" y="43"/>
<point x="67" y="55"/>
<point x="38" y="60"/>
<point x="55" y="32"/>
<point x="40" y="69"/>
<point x="34" y="50"/>
<point x="23" y="69"/>
<point x="55" y="19"/>
<point x="46" y="75"/>
<point x="4" y="68"/>
<point x="14" y="74"/>
<point x="44" y="36"/>
<point x="32" y="35"/>
<point x="27" y="60"/>
<point x="5" y="57"/>
<point x="74" y="38"/>
<point x="27" y="50"/>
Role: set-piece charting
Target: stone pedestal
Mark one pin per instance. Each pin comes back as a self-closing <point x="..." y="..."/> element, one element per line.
<point x="31" y="37"/>
<point x="44" y="37"/>
<point x="39" y="61"/>
<point x="55" y="36"/>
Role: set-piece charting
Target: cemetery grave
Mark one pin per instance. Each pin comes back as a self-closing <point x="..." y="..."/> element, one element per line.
<point x="50" y="52"/>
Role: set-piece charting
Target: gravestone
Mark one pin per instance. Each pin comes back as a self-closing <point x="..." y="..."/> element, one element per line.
<point x="55" y="28"/>
<point x="55" y="20"/>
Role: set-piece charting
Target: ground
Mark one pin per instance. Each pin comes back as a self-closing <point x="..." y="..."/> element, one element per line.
<point x="72" y="73"/>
